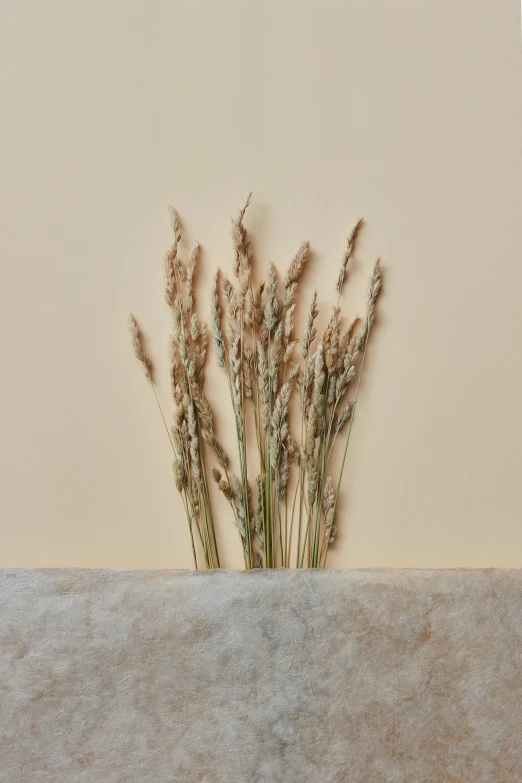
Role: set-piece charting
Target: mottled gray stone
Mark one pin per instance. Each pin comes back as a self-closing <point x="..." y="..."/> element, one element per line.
<point x="324" y="676"/>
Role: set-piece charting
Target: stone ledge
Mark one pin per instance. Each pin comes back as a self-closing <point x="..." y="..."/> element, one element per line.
<point x="313" y="676"/>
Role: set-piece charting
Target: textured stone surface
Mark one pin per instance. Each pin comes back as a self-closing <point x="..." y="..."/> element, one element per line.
<point x="363" y="677"/>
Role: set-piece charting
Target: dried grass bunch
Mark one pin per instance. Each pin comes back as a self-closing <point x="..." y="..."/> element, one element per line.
<point x="284" y="502"/>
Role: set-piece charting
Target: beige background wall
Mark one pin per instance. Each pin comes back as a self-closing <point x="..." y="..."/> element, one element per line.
<point x="408" y="113"/>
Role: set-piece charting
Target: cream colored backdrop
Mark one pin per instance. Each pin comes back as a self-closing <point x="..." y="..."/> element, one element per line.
<point x="408" y="113"/>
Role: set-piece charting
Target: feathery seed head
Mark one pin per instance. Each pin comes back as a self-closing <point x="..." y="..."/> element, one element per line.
<point x="296" y="266"/>
<point x="329" y="504"/>
<point x="242" y="247"/>
<point x="310" y="329"/>
<point x="352" y="239"/>
<point x="190" y="276"/>
<point x="319" y="378"/>
<point x="272" y="312"/>
<point x="373" y="292"/>
<point x="215" y="322"/>
<point x="180" y="474"/>
<point x="137" y="345"/>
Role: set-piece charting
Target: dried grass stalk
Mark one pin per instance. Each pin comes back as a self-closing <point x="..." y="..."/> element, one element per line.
<point x="193" y="430"/>
<point x="137" y="345"/>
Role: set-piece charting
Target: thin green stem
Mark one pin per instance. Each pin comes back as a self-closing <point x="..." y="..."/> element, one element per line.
<point x="292" y="522"/>
<point x="162" y="416"/>
<point x="190" y="520"/>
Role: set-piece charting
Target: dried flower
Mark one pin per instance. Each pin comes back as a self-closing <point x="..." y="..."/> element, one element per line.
<point x="255" y="346"/>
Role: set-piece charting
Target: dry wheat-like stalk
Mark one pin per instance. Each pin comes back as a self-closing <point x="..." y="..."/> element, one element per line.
<point x="252" y="329"/>
<point x="137" y="345"/>
<point x="352" y="241"/>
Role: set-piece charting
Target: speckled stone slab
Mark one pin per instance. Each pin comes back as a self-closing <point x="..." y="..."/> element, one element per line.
<point x="320" y="677"/>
